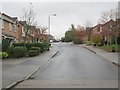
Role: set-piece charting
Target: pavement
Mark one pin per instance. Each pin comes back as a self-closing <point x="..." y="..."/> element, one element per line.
<point x="110" y="56"/>
<point x="74" y="67"/>
<point x="18" y="69"/>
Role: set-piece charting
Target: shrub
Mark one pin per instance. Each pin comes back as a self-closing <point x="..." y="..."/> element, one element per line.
<point x="10" y="51"/>
<point x="32" y="53"/>
<point x="96" y="38"/>
<point x="29" y="45"/>
<point x="3" y="55"/>
<point x="18" y="44"/>
<point x="89" y="43"/>
<point x="41" y="46"/>
<point x="78" y="40"/>
<point x="113" y="48"/>
<point x="19" y="51"/>
<point x="36" y="48"/>
<point x="46" y="46"/>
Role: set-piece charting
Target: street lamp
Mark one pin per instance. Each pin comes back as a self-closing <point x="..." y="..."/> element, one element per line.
<point x="49" y="25"/>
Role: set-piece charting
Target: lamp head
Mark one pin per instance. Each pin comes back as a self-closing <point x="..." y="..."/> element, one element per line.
<point x="54" y="14"/>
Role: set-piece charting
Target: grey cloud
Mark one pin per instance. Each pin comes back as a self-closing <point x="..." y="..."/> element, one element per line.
<point x="67" y="13"/>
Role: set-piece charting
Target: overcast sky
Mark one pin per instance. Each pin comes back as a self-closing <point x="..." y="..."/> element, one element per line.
<point x="77" y="13"/>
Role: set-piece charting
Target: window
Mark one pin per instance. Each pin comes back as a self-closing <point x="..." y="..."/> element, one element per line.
<point x="23" y="33"/>
<point x="10" y="26"/>
<point x="100" y="29"/>
<point x="2" y="23"/>
<point x="14" y="28"/>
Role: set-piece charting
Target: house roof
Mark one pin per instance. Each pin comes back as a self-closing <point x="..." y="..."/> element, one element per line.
<point x="99" y="25"/>
<point x="14" y="18"/>
<point x="108" y="22"/>
<point x="8" y="18"/>
<point x="22" y="22"/>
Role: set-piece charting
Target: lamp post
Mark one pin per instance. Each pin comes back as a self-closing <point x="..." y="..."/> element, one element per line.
<point x="49" y="25"/>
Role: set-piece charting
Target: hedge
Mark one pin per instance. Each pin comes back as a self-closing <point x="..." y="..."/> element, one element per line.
<point x="19" y="51"/>
<point x="42" y="45"/>
<point x="32" y="53"/>
<point x="36" y="48"/>
<point x="10" y="51"/>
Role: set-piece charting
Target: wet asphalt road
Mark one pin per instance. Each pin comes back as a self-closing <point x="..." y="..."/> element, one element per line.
<point x="73" y="62"/>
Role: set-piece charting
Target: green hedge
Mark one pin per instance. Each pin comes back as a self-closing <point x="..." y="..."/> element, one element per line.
<point x="29" y="45"/>
<point x="46" y="45"/>
<point x="19" y="51"/>
<point x="18" y="44"/>
<point x="10" y="51"/>
<point x="42" y="45"/>
<point x="32" y="53"/>
<point x="36" y="48"/>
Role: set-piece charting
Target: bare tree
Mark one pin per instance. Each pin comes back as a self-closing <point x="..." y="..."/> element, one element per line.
<point x="88" y="29"/>
<point x="28" y="17"/>
<point x="43" y="31"/>
<point x="108" y="15"/>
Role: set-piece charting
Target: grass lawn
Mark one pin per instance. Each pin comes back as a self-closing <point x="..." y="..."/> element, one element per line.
<point x="109" y="48"/>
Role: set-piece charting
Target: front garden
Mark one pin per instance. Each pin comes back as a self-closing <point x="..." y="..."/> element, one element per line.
<point x="110" y="48"/>
<point x="18" y="50"/>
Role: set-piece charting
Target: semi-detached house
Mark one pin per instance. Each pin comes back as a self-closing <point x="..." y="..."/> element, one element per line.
<point x="9" y="28"/>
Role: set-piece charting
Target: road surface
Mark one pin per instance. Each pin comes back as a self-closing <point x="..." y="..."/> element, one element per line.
<point x="75" y="66"/>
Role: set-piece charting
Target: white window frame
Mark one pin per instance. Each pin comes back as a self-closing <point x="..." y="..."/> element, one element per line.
<point x="23" y="32"/>
<point x="14" y="28"/>
<point x="10" y="26"/>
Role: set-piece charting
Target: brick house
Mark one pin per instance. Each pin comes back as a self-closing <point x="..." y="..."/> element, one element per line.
<point x="104" y="30"/>
<point x="116" y="30"/>
<point x="10" y="28"/>
<point x="88" y="33"/>
<point x="14" y="30"/>
<point x="96" y="29"/>
<point x="21" y="32"/>
<point x="37" y="34"/>
<point x="34" y="34"/>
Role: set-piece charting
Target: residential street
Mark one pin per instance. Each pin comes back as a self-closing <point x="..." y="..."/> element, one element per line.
<point x="75" y="66"/>
<point x="59" y="44"/>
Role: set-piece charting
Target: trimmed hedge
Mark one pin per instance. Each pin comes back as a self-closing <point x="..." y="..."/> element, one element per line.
<point x="46" y="45"/>
<point x="18" y="44"/>
<point x="10" y="51"/>
<point x="42" y="45"/>
<point x="36" y="48"/>
<point x="19" y="51"/>
<point x="29" y="45"/>
<point x="32" y="53"/>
